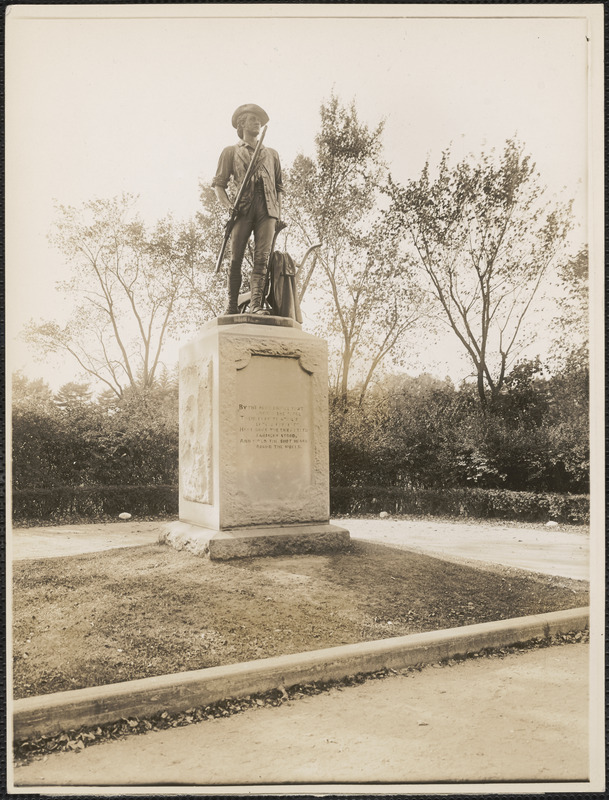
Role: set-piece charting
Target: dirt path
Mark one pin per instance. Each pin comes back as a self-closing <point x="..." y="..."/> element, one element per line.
<point x="519" y="718"/>
<point x="562" y="551"/>
<point x="68" y="540"/>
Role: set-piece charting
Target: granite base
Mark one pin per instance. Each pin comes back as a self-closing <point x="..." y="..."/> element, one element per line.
<point x="256" y="541"/>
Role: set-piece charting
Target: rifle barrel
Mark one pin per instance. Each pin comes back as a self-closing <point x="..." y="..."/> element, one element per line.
<point x="233" y="216"/>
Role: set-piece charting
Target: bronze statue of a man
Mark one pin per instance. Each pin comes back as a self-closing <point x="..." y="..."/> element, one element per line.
<point x="259" y="207"/>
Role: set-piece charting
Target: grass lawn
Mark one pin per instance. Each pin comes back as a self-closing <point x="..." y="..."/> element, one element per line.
<point x="130" y="613"/>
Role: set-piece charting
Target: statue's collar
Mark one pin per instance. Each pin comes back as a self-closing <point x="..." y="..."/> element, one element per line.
<point x="243" y="143"/>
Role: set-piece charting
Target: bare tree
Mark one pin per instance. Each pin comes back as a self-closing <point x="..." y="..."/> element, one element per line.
<point x="131" y="289"/>
<point x="484" y="237"/>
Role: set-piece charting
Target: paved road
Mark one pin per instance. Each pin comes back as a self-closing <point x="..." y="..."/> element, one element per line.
<point x="557" y="551"/>
<point x="520" y="718"/>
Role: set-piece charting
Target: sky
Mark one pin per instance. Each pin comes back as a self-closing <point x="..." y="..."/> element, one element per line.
<point x="138" y="98"/>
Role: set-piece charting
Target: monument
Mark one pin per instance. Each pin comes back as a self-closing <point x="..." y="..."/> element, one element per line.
<point x="254" y="463"/>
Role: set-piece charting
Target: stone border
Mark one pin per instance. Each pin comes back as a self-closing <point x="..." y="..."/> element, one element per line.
<point x="53" y="713"/>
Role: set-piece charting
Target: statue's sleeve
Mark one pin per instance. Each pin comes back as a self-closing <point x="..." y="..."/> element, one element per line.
<point x="225" y="168"/>
<point x="278" y="178"/>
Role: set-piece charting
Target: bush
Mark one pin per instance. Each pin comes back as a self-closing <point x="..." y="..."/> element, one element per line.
<point x="69" y="504"/>
<point x="475" y="503"/>
<point x="422" y="432"/>
<point x="131" y="442"/>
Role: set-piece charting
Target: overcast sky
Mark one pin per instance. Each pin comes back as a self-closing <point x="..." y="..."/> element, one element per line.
<point x="105" y="99"/>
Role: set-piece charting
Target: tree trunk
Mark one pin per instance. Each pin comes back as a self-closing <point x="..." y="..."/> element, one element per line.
<point x="481" y="391"/>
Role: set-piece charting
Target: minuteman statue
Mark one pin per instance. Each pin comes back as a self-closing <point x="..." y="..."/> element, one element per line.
<point x="259" y="207"/>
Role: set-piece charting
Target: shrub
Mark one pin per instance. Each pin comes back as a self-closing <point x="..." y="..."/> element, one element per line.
<point x="423" y="432"/>
<point x="68" y="504"/>
<point x="132" y="442"/>
<point x="476" y="503"/>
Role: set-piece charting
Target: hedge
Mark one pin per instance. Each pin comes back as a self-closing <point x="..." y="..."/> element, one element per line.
<point x="477" y="503"/>
<point x="66" y="504"/>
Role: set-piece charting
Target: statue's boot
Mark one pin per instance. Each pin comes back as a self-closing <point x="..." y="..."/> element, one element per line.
<point x="257" y="286"/>
<point x="234" y="284"/>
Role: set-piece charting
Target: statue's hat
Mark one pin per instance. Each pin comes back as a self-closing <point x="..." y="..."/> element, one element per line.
<point x="250" y="108"/>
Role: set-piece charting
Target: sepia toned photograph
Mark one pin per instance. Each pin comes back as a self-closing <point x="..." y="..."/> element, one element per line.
<point x="304" y="399"/>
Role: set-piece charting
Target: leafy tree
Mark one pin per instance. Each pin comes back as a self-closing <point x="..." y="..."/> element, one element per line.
<point x="363" y="290"/>
<point x="573" y="302"/>
<point x="524" y="400"/>
<point x="132" y="288"/>
<point x="137" y="442"/>
<point x="401" y="434"/>
<point x="73" y="395"/>
<point x="483" y="238"/>
<point x="132" y="441"/>
<point x="423" y="432"/>
<point x="26" y="391"/>
<point x="568" y="419"/>
<point x="35" y="427"/>
<point x="571" y="347"/>
<point x="208" y="288"/>
<point x="569" y="386"/>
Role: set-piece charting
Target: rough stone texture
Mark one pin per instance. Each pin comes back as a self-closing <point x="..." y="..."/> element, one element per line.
<point x="254" y="426"/>
<point x="251" y="542"/>
<point x="280" y="541"/>
<point x="196" y="445"/>
<point x="182" y="536"/>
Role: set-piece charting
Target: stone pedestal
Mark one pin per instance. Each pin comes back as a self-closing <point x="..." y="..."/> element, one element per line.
<point x="254" y="472"/>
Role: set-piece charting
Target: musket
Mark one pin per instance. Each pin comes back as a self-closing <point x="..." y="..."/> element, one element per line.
<point x="235" y="212"/>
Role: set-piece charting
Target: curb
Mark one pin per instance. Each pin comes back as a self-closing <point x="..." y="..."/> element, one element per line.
<point x="53" y="713"/>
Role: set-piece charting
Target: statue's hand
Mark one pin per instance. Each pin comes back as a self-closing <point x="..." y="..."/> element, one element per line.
<point x="229" y="222"/>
